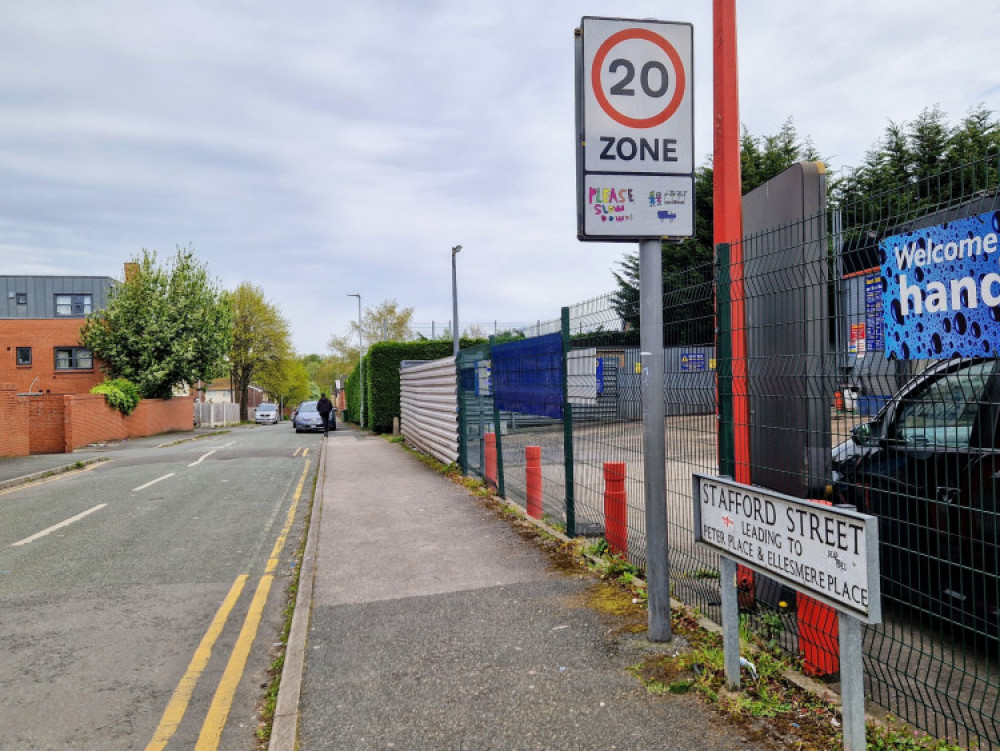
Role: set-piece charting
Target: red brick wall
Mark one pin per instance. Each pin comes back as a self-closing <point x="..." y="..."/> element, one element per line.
<point x="14" y="432"/>
<point x="90" y="420"/>
<point x="46" y="424"/>
<point x="43" y="335"/>
<point x="155" y="416"/>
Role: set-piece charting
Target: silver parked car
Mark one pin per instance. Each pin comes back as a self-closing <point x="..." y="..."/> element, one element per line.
<point x="306" y="417"/>
<point x="266" y="413"/>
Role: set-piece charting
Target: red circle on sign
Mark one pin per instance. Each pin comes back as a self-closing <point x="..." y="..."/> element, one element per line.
<point x="595" y="78"/>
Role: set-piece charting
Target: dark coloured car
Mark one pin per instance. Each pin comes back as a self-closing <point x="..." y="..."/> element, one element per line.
<point x="928" y="467"/>
<point x="306" y="417"/>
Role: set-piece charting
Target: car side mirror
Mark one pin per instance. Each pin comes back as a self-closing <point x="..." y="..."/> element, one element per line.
<point x="862" y="434"/>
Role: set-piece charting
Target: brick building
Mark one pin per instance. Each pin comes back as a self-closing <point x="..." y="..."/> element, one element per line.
<point x="46" y="375"/>
<point x="40" y="320"/>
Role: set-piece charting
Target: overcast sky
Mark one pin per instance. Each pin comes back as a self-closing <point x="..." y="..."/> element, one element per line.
<point x="319" y="148"/>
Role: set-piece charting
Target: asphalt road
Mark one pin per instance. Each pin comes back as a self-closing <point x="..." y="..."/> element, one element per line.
<point x="141" y="598"/>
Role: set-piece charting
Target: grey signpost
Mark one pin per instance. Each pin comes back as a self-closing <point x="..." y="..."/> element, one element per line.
<point x="635" y="183"/>
<point x="829" y="553"/>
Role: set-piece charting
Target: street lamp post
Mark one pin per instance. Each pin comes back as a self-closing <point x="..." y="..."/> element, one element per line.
<point x="454" y="300"/>
<point x="361" y="363"/>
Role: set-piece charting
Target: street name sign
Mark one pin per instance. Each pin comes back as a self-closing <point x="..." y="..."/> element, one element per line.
<point x="829" y="553"/>
<point x="635" y="123"/>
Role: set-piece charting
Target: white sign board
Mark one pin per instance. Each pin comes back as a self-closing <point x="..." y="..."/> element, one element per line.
<point x="829" y="553"/>
<point x="635" y="113"/>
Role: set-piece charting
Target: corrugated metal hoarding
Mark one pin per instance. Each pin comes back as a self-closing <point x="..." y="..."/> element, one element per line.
<point x="428" y="400"/>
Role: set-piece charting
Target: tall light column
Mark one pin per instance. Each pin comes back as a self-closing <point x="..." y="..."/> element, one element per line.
<point x="361" y="362"/>
<point x="454" y="301"/>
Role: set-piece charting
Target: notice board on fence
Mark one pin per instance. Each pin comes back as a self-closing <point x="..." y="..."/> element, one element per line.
<point x="528" y="376"/>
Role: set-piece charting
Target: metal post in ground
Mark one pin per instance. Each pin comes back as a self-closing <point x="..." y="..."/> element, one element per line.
<point x="568" y="431"/>
<point x="653" y="444"/>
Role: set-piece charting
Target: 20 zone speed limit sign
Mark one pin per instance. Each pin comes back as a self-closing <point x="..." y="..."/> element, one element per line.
<point x="637" y="96"/>
<point x="636" y="128"/>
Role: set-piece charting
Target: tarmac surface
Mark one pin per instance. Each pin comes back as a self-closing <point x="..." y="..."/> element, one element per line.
<point x="433" y="625"/>
<point x="424" y="621"/>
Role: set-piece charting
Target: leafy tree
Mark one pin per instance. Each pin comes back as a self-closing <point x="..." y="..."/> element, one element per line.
<point x="261" y="342"/>
<point x="688" y="265"/>
<point x="915" y="168"/>
<point x="288" y="381"/>
<point x="385" y="323"/>
<point x="163" y="326"/>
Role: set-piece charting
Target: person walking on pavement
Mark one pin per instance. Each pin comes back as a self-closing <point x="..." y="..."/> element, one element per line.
<point x="325" y="408"/>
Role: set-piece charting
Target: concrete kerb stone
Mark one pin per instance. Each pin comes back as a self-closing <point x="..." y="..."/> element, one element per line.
<point x="51" y="472"/>
<point x="285" y="723"/>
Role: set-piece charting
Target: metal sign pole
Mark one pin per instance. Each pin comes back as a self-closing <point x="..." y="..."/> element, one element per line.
<point x="654" y="449"/>
<point x="730" y="621"/>
<point x="852" y="683"/>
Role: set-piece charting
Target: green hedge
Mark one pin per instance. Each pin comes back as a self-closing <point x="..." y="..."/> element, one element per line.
<point x="381" y="366"/>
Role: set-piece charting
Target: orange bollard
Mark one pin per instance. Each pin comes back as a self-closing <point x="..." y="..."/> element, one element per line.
<point x="838" y="401"/>
<point x="615" y="508"/>
<point x="533" y="480"/>
<point x="819" y="633"/>
<point x="490" y="470"/>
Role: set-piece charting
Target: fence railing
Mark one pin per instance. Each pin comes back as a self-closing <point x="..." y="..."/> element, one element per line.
<point x="830" y="417"/>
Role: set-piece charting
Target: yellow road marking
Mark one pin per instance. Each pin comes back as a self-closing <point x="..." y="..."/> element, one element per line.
<point x="222" y="701"/>
<point x="279" y="544"/>
<point x="53" y="478"/>
<point x="296" y="452"/>
<point x="175" y="710"/>
<point x="305" y="452"/>
<point x="211" y="731"/>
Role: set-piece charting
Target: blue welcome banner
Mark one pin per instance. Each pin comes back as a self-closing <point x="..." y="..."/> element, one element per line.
<point x="528" y="376"/>
<point x="941" y="294"/>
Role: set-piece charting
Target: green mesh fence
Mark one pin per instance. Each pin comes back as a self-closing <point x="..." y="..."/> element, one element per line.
<point x="837" y="410"/>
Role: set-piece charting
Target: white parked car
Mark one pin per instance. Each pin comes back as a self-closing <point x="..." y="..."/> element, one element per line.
<point x="266" y="413"/>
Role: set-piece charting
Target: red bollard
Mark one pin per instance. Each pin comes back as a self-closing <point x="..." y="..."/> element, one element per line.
<point x="615" y="508"/>
<point x="490" y="470"/>
<point x="533" y="480"/>
<point x="819" y="633"/>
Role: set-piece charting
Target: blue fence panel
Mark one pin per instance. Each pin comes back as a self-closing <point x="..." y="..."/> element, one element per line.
<point x="528" y="376"/>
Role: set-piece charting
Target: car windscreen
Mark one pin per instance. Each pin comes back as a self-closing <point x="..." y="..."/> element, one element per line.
<point x="943" y="412"/>
<point x="308" y="407"/>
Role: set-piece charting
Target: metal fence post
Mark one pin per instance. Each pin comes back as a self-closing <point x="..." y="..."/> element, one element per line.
<point x="463" y="442"/>
<point x="724" y="362"/>
<point x="568" y="431"/>
<point x="499" y="433"/>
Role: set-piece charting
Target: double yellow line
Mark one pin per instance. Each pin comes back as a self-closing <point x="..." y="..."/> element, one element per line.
<point x="218" y="712"/>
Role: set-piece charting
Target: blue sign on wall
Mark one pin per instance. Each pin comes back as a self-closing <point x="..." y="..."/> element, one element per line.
<point x="692" y="362"/>
<point x="942" y="290"/>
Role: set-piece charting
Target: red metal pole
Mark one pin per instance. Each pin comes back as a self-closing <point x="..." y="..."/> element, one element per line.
<point x="728" y="228"/>
<point x="728" y="221"/>
<point x="615" y="508"/>
<point x="533" y="481"/>
<point x="490" y="470"/>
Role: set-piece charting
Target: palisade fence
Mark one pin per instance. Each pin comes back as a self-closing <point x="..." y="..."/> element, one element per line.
<point x="563" y="407"/>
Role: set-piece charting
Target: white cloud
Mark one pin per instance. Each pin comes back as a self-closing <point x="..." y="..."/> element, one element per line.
<point x="319" y="148"/>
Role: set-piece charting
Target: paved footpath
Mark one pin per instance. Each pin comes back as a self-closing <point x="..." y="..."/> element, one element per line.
<point x="435" y="626"/>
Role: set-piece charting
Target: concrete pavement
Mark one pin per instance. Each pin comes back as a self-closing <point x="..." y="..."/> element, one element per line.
<point x="425" y="622"/>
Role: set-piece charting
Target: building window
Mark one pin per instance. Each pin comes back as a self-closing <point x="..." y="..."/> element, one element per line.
<point x="74" y="358"/>
<point x="73" y="305"/>
<point x="22" y="298"/>
<point x="23" y="356"/>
